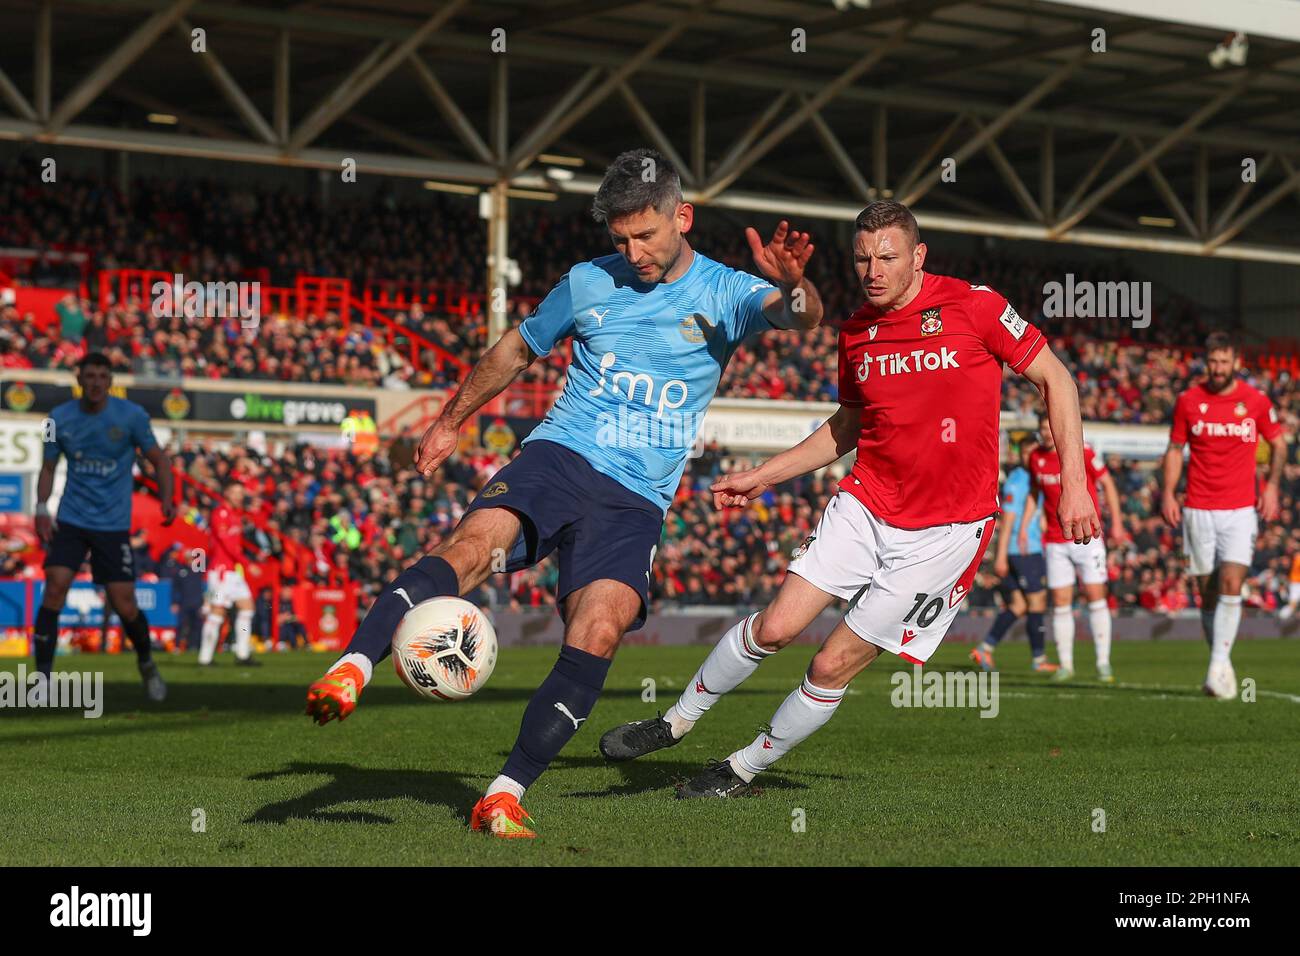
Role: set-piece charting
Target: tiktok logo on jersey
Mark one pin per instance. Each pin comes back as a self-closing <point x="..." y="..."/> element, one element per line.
<point x="1245" y="430"/>
<point x="899" y="363"/>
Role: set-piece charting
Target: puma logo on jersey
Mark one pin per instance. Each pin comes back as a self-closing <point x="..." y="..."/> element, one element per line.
<point x="599" y="316"/>
<point x="404" y="596"/>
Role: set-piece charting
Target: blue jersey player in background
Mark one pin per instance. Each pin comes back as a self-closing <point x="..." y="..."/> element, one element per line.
<point x="1019" y="562"/>
<point x="652" y="328"/>
<point x="98" y="434"/>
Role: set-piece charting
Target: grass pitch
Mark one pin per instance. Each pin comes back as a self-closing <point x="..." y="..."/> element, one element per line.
<point x="1182" y="779"/>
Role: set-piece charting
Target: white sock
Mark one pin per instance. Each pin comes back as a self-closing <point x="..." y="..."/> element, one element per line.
<point x="208" y="639"/>
<point x="361" y="661"/>
<point x="798" y="717"/>
<point x="1227" y="618"/>
<point x="1099" y="624"/>
<point x="243" y="634"/>
<point x="503" y="784"/>
<point x="734" y="658"/>
<point x="1063" y="634"/>
<point x="1207" y="625"/>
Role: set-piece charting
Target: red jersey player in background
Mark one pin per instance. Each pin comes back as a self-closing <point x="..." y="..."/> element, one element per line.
<point x="920" y="367"/>
<point x="1068" y="559"/>
<point x="1221" y="420"/>
<point x="226" y="583"/>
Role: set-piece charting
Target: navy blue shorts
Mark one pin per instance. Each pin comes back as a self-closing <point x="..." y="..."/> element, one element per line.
<point x="111" y="558"/>
<point x="1028" y="575"/>
<point x="598" y="529"/>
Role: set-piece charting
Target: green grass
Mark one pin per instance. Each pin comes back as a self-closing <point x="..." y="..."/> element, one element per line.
<point x="1182" y="779"/>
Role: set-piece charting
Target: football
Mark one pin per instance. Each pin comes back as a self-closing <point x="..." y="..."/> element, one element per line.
<point x="445" y="649"/>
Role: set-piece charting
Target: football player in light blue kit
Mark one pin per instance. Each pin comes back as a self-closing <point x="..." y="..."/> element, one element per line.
<point x="98" y="434"/>
<point x="653" y="328"/>
<point x="1020" y="564"/>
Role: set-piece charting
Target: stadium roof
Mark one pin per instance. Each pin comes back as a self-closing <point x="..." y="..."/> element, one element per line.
<point x="1139" y="146"/>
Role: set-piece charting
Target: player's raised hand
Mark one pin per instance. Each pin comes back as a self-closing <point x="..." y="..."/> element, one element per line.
<point x="783" y="259"/>
<point x="436" y="446"/>
<point x="1079" y="521"/>
<point x="738" y="489"/>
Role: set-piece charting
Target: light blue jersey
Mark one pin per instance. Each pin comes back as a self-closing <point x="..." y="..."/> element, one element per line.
<point x="1014" y="495"/>
<point x="646" y="363"/>
<point x="100" y="449"/>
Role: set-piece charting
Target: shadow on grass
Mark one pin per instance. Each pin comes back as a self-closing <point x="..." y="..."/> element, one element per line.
<point x="644" y="776"/>
<point x="348" y="784"/>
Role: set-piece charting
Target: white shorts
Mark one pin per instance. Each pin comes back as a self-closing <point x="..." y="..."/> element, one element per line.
<point x="227" y="587"/>
<point x="917" y="578"/>
<point x="1212" y="537"/>
<point x="1065" y="561"/>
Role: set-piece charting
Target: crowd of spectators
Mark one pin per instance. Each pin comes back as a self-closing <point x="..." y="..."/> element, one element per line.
<point x="213" y="231"/>
<point x="366" y="519"/>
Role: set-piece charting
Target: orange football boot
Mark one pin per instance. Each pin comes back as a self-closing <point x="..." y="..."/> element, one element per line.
<point x="501" y="815"/>
<point x="334" y="696"/>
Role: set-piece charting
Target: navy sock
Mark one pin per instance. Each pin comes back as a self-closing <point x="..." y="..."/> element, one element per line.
<point x="551" y="718"/>
<point x="1000" y="627"/>
<point x="138" y="633"/>
<point x="429" y="577"/>
<point x="1034" y="623"/>
<point x="45" y="639"/>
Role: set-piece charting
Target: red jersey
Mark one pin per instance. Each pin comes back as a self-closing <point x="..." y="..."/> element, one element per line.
<point x="1045" y="473"/>
<point x="928" y="379"/>
<point x="1223" y="431"/>
<point x="225" y="535"/>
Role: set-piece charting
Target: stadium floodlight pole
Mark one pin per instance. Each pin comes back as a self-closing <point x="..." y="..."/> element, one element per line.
<point x="839" y="155"/>
<point x="1167" y="193"/>
<point x="1166" y="142"/>
<point x="361" y="82"/>
<point x="725" y="176"/>
<point x="651" y="130"/>
<point x="43" y="60"/>
<point x="995" y="128"/>
<point x="229" y="89"/>
<point x="280" y="92"/>
<point x="498" y="245"/>
<point x="452" y="113"/>
<point x="127" y="52"/>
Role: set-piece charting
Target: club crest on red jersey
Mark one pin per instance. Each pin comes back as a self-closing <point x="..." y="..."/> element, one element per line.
<point x="1240" y="410"/>
<point x="931" y="324"/>
<point x="1204" y="407"/>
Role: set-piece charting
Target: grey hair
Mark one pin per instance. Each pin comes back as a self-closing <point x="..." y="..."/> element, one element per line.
<point x="637" y="179"/>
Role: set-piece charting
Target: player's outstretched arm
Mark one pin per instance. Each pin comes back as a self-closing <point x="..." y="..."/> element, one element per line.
<point x="1079" y="519"/>
<point x="836" y="437"/>
<point x="782" y="261"/>
<point x="1173" y="470"/>
<point x="498" y="367"/>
